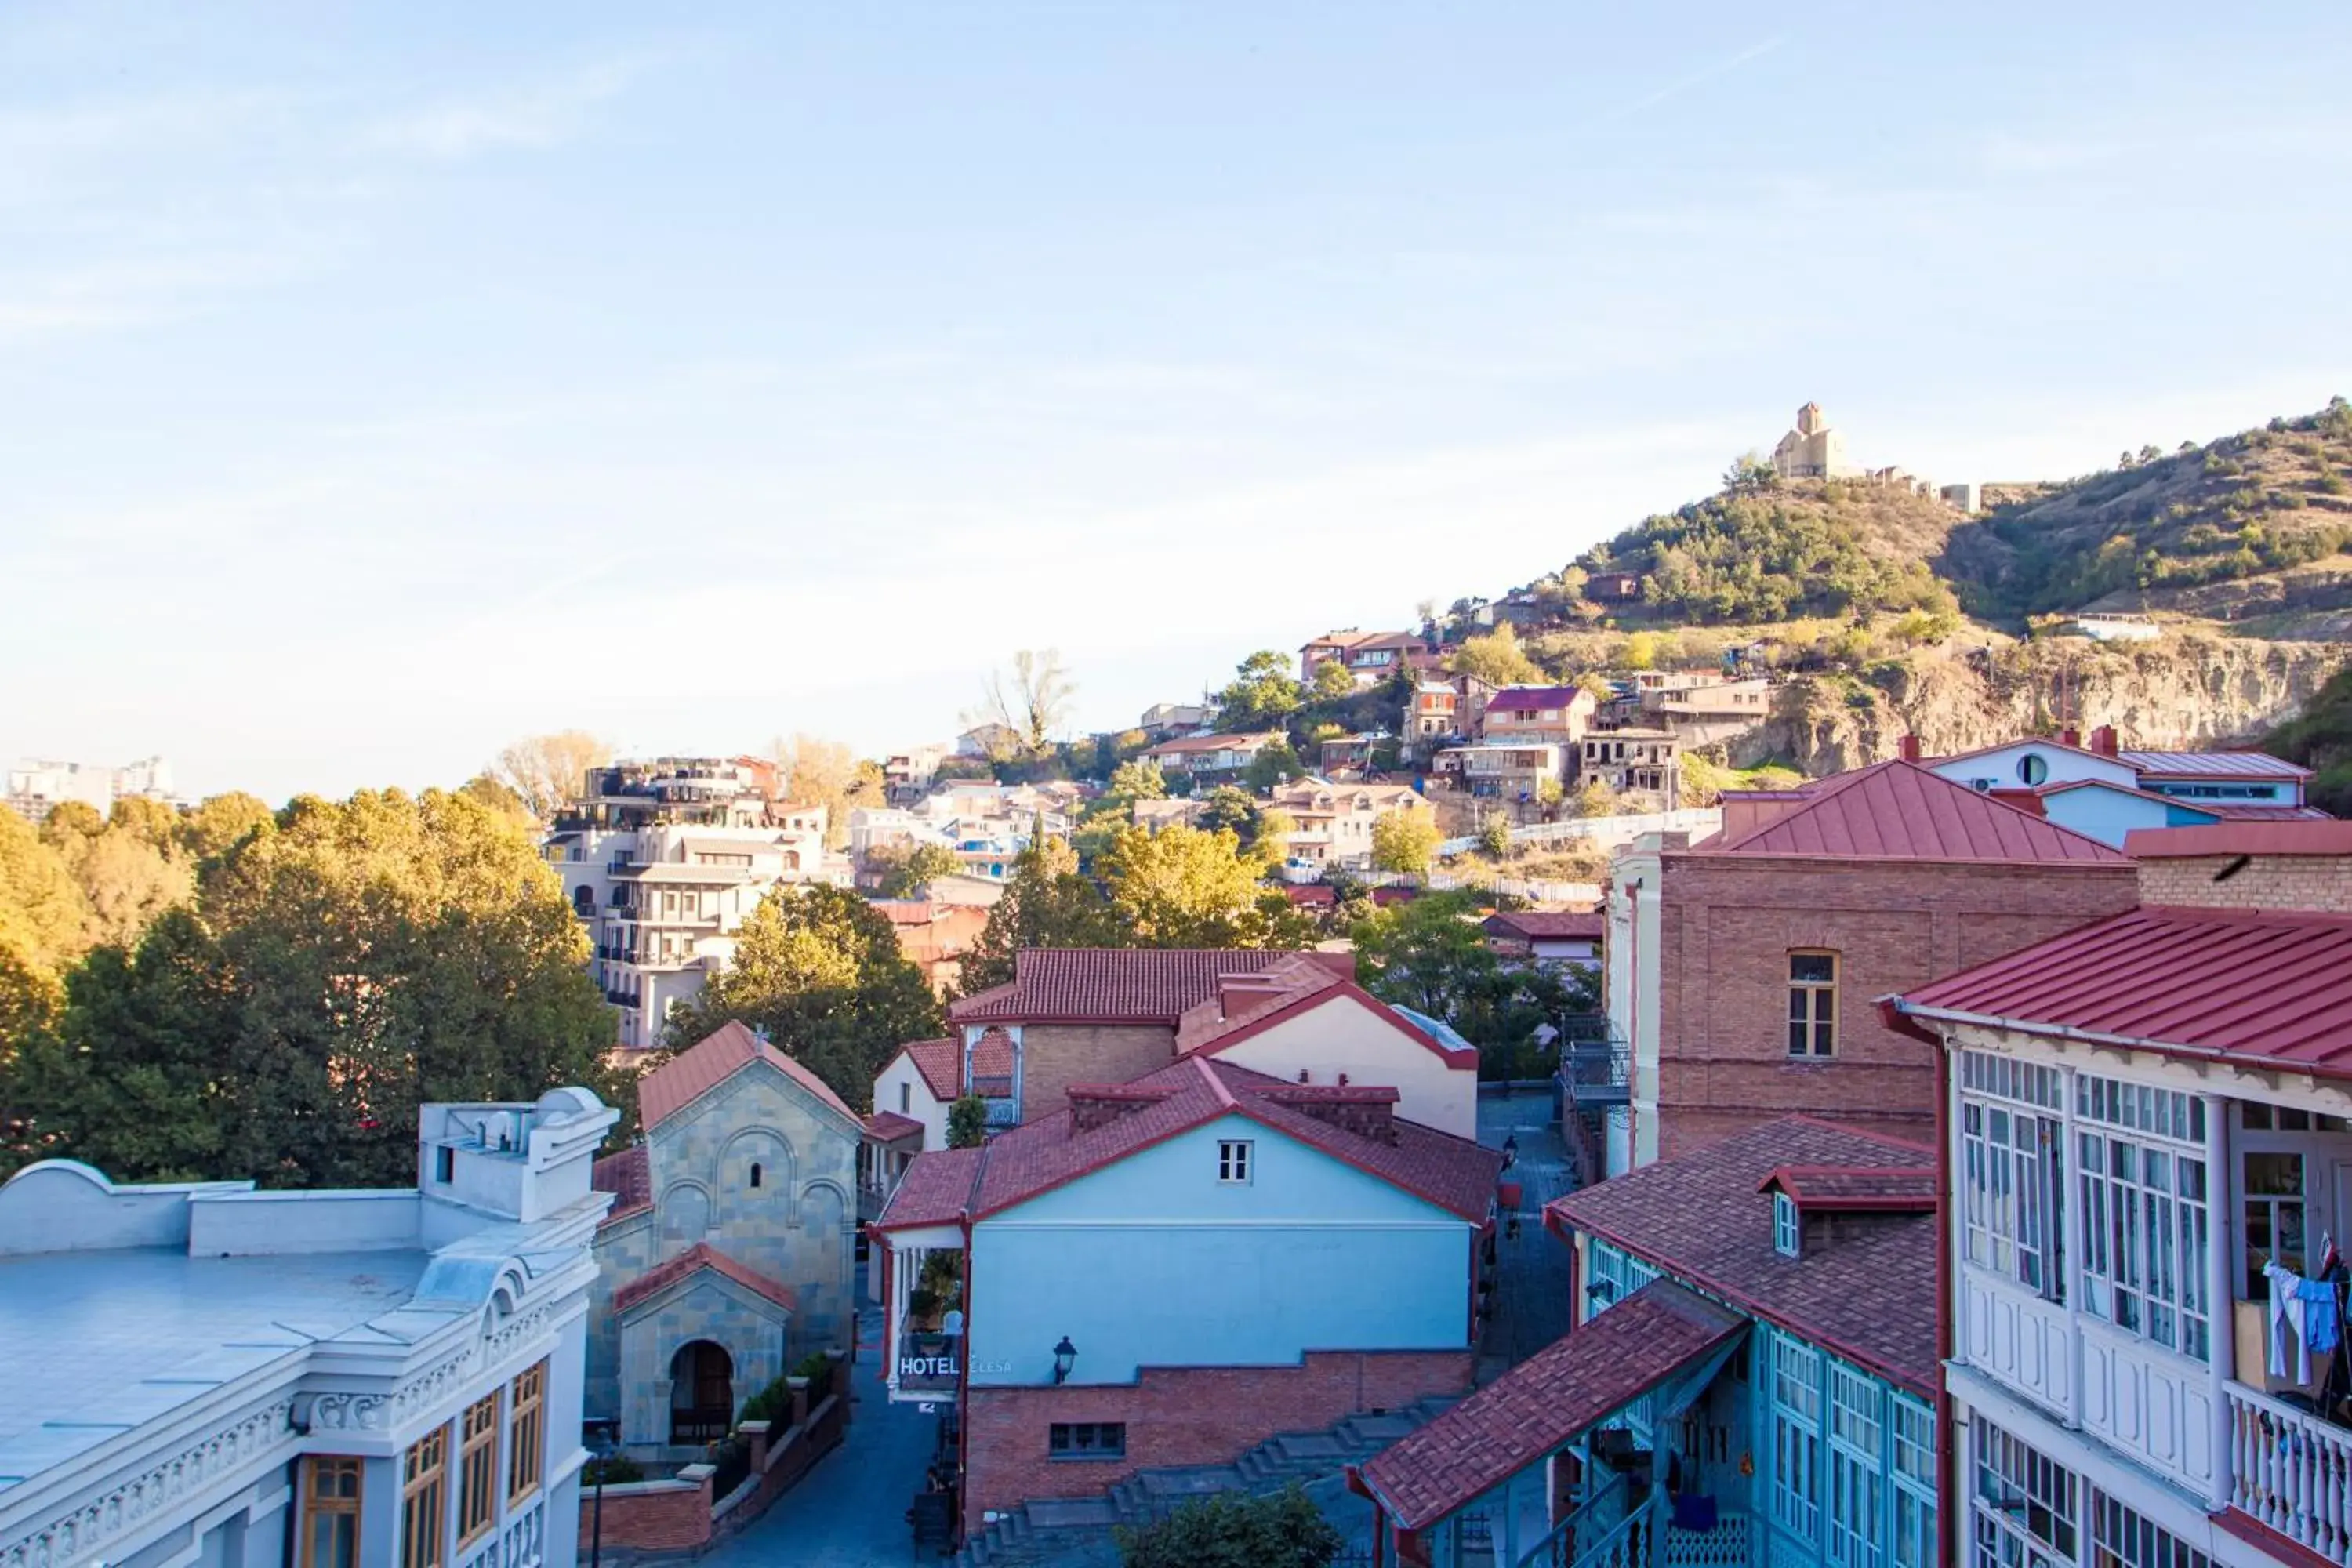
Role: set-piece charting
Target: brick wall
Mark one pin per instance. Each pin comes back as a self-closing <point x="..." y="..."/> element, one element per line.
<point x="651" y="1516"/>
<point x="1727" y="924"/>
<point x="1196" y="1416"/>
<point x="1056" y="1056"/>
<point x="2263" y="882"/>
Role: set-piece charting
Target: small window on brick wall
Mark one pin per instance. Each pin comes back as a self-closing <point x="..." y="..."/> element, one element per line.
<point x="1087" y="1440"/>
<point x="1812" y="1003"/>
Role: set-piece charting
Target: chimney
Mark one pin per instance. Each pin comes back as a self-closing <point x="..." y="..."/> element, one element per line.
<point x="1241" y="993"/>
<point x="1094" y="1105"/>
<point x="1368" y="1110"/>
<point x="1908" y="748"/>
<point x="2069" y="736"/>
<point x="2102" y="740"/>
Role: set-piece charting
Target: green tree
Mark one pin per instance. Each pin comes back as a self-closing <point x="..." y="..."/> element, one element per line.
<point x="1230" y="1530"/>
<point x="127" y="877"/>
<point x="222" y="822"/>
<point x="333" y="973"/>
<point x="1406" y="842"/>
<point x="1275" y="764"/>
<point x="1262" y="693"/>
<point x="1227" y="808"/>
<point x="1046" y="903"/>
<point x="908" y="871"/>
<point x="545" y="771"/>
<point x="967" y="1122"/>
<point x="1432" y="955"/>
<point x="1333" y="682"/>
<point x="1139" y="779"/>
<point x="819" y="972"/>
<point x="1183" y="886"/>
<point x="1497" y="658"/>
<point x="1495" y="834"/>
<point x="1595" y="798"/>
<point x="1269" y="840"/>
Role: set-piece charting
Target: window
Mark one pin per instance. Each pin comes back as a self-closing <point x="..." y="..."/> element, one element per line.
<point x="1857" y="1479"/>
<point x="330" y="1523"/>
<point x="755" y="1172"/>
<point x="1788" y="1229"/>
<point x="2024" y="1504"/>
<point x="478" y="1470"/>
<point x="1615" y="1276"/>
<point x="2032" y="769"/>
<point x="1233" y="1160"/>
<point x="424" y="1500"/>
<point x="2147" y="1240"/>
<point x="1915" y="1482"/>
<point x="445" y="1164"/>
<point x="1087" y="1440"/>
<point x="525" y="1429"/>
<point x="906" y="1099"/>
<point x="1796" y="1436"/>
<point x="2274" y="1218"/>
<point x="2121" y="1537"/>
<point x="1812" y="1003"/>
<point x="2011" y="1189"/>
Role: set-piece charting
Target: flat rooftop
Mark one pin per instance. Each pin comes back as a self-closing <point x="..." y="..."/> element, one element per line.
<point x="94" y="1343"/>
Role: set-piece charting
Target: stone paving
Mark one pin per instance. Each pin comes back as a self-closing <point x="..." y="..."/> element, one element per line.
<point x="1531" y="1295"/>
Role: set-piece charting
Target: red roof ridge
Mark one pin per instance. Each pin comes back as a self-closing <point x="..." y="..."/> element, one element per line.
<point x="692" y="1261"/>
<point x="1914" y="830"/>
<point x="711" y="1061"/>
<point x="1893" y="1140"/>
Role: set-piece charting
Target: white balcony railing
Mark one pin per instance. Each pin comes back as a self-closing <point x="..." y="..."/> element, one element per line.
<point x="2291" y="1471"/>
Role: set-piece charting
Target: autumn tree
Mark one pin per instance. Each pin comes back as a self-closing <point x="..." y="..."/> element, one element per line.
<point x="1497" y="658"/>
<point x="1033" y="700"/>
<point x="819" y="972"/>
<point x="1183" y="886"/>
<point x="1046" y="903"/>
<point x="545" y="771"/>
<point x="817" y="772"/>
<point x="1406" y="842"/>
<point x="908" y="871"/>
<point x="44" y="916"/>
<point x="1332" y="681"/>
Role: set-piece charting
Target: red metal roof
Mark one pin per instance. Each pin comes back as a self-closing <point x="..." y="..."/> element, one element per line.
<point x="688" y="1077"/>
<point x="1542" y="1404"/>
<point x="2212" y="766"/>
<point x="1900" y="811"/>
<point x="694" y="1259"/>
<point x="2291" y="837"/>
<point x="1108" y="985"/>
<point x="628" y="1176"/>
<point x="1704" y="1218"/>
<point x="942" y="1187"/>
<point x="2274" y="988"/>
<point x="1535" y="698"/>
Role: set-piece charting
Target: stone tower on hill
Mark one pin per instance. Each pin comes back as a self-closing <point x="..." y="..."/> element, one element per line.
<point x="1812" y="450"/>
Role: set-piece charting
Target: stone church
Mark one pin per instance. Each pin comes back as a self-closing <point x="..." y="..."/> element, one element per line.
<point x="1813" y="450"/>
<point x="730" y="1251"/>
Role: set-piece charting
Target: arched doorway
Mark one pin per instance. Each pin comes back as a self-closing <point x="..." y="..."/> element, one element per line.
<point x="701" y="1392"/>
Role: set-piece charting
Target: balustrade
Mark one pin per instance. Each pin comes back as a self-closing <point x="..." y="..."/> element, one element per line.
<point x="2293" y="1471"/>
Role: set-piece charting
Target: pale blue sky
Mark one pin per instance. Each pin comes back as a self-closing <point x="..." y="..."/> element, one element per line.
<point x="379" y="385"/>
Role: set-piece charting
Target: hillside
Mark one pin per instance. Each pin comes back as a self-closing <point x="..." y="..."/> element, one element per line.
<point x="2251" y="529"/>
<point x="2322" y="740"/>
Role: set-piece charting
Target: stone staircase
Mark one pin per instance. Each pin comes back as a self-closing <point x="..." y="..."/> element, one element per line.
<point x="1070" y="1532"/>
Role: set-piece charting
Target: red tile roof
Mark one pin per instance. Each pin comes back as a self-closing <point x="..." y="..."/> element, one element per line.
<point x="1894" y="1189"/>
<point x="1900" y="811"/>
<point x="1547" y="1400"/>
<point x="2212" y="766"/>
<point x="940" y="1063"/>
<point x="628" y="1176"/>
<point x="1108" y="985"/>
<point x="2325" y="836"/>
<point x="695" y="1258"/>
<point x="2273" y="989"/>
<point x="1537" y="924"/>
<point x="1704" y="1218"/>
<point x="890" y="1127"/>
<point x="693" y="1073"/>
<point x="1454" y="1173"/>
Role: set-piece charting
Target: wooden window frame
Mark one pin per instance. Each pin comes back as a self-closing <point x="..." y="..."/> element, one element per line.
<point x="424" y="1500"/>
<point x="478" y="1470"/>
<point x="526" y="1432"/>
<point x="1236" y="1162"/>
<point x="317" y="1503"/>
<point x="1821" y="1004"/>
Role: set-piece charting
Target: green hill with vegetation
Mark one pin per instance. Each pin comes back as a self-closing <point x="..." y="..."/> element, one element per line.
<point x="2251" y="524"/>
<point x="2322" y="740"/>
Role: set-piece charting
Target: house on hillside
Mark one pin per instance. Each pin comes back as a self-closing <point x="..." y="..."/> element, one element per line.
<point x="2250" y="787"/>
<point x="1513" y="771"/>
<point x="1209" y="759"/>
<point x="1369" y="657"/>
<point x="1170" y="1271"/>
<point x="2149" y="1145"/>
<point x="1548" y="936"/>
<point x="1633" y="762"/>
<point x="729" y="1251"/>
<point x="1515" y="713"/>
<point x="1741" y="969"/>
<point x="1751" y="1379"/>
<point x="1335" y="820"/>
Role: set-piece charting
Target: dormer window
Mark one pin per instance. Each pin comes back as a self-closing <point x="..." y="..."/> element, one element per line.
<point x="1788" y="1230"/>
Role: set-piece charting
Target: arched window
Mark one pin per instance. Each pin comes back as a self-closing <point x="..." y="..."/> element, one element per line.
<point x="755" y="1172"/>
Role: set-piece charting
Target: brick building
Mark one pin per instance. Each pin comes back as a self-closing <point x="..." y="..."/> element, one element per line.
<point x="1742" y="970"/>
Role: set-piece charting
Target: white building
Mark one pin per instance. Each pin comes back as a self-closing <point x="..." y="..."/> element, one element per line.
<point x="2149" y="1142"/>
<point x="36" y="787"/>
<point x="662" y="860"/>
<point x="204" y="1375"/>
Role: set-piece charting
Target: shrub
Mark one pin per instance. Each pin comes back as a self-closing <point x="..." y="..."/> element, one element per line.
<point x="612" y="1471"/>
<point x="1284" y="1531"/>
<point x="772" y="1404"/>
<point x="967" y="1122"/>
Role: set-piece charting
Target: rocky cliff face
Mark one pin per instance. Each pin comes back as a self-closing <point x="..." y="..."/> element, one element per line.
<point x="2185" y="689"/>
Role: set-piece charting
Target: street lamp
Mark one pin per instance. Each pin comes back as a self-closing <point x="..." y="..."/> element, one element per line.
<point x="1065" y="1355"/>
<point x="597" y="1430"/>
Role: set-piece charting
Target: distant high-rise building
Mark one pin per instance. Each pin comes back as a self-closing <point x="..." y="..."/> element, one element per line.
<point x="38" y="786"/>
<point x="663" y="858"/>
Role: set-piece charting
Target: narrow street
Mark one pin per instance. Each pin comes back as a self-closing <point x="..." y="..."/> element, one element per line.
<point x="1531" y="1295"/>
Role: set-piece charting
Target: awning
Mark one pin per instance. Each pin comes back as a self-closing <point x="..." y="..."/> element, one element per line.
<point x="1658" y="1333"/>
<point x="888" y="1127"/>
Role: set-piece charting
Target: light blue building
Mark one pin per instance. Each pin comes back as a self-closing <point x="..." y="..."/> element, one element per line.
<point x="204" y="1375"/>
<point x="1172" y="1271"/>
<point x="1752" y="1382"/>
